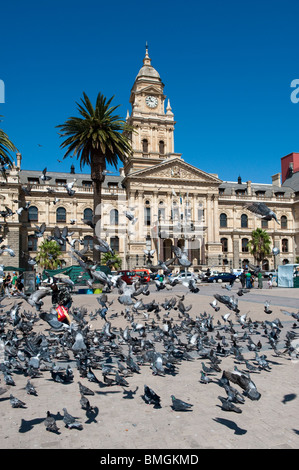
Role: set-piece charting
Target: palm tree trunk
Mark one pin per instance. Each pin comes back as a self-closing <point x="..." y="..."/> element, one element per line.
<point x="98" y="165"/>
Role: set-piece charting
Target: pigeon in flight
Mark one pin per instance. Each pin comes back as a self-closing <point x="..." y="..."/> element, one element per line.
<point x="69" y="187"/>
<point x="44" y="177"/>
<point x="261" y="210"/>
<point x="131" y="217"/>
<point x="40" y="230"/>
<point x="181" y="256"/>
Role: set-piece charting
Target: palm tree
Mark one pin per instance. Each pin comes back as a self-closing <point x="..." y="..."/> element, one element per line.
<point x="111" y="260"/>
<point x="97" y="138"/>
<point x="259" y="245"/>
<point x="6" y="146"/>
<point x="48" y="256"/>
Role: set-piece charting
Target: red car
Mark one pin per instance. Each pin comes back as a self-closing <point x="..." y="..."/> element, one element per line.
<point x="128" y="276"/>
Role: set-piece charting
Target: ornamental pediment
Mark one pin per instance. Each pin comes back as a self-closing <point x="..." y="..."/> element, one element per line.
<point x="150" y="90"/>
<point x="176" y="169"/>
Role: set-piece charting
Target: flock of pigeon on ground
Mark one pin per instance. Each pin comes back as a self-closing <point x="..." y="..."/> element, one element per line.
<point x="152" y="338"/>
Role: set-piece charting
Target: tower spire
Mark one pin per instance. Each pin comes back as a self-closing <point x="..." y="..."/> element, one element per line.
<point x="146" y="60"/>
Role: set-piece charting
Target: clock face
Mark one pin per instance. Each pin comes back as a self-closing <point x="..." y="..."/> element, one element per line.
<point x="151" y="101"/>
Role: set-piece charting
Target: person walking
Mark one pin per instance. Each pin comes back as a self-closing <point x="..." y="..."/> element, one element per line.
<point x="260" y="280"/>
<point x="242" y="279"/>
<point x="13" y="282"/>
<point x="248" y="280"/>
<point x="270" y="282"/>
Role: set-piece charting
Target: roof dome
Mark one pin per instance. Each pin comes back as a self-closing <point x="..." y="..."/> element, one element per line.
<point x="147" y="70"/>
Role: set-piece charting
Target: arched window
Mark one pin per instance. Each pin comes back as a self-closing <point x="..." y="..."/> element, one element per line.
<point x="88" y="242"/>
<point x="161" y="147"/>
<point x="224" y="244"/>
<point x="145" y="146"/>
<point x="284" y="222"/>
<point x="88" y="214"/>
<point x="32" y="214"/>
<point x="114" y="244"/>
<point x="245" y="245"/>
<point x="284" y="245"/>
<point x="223" y="220"/>
<point x="60" y="214"/>
<point x="114" y="217"/>
<point x="32" y="243"/>
<point x="285" y="261"/>
<point x="244" y="221"/>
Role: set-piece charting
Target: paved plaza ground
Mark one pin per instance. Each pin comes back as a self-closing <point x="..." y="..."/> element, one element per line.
<point x="123" y="420"/>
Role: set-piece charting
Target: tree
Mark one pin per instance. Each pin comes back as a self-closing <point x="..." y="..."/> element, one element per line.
<point x="6" y="146"/>
<point x="113" y="261"/>
<point x="259" y="245"/>
<point x="97" y="138"/>
<point x="48" y="255"/>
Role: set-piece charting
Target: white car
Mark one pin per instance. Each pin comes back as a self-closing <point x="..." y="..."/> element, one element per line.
<point x="182" y="276"/>
<point x="237" y="272"/>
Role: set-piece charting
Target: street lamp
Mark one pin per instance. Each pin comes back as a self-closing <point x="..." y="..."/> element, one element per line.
<point x="275" y="252"/>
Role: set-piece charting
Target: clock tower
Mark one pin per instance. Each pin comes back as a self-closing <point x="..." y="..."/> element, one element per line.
<point x="153" y="139"/>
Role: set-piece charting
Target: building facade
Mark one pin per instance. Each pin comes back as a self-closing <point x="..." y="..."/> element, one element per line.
<point x="174" y="202"/>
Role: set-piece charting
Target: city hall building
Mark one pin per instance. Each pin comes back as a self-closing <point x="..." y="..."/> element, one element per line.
<point x="175" y="203"/>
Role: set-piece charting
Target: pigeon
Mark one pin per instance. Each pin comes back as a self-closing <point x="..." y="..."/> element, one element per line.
<point x="50" y="423"/>
<point x="40" y="230"/>
<point x="149" y="255"/>
<point x="27" y="189"/>
<point x="30" y="389"/>
<point x="70" y="421"/>
<point x="7" y="249"/>
<point x="150" y="397"/>
<point x="44" y="177"/>
<point x="85" y="390"/>
<point x="181" y="256"/>
<point x="34" y="299"/>
<point x="130" y="216"/>
<point x="180" y="405"/>
<point x="261" y="210"/>
<point x="214" y="305"/>
<point x="266" y="307"/>
<point x="16" y="403"/>
<point x="52" y="319"/>
<point x="103" y="246"/>
<point x="228" y="405"/>
<point x="69" y="187"/>
<point x="244" y="381"/>
<point x="84" y="402"/>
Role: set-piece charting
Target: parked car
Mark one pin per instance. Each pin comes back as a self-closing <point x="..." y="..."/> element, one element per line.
<point x="224" y="277"/>
<point x="143" y="274"/>
<point x="268" y="273"/>
<point x="182" y="276"/>
<point x="204" y="277"/>
<point x="128" y="276"/>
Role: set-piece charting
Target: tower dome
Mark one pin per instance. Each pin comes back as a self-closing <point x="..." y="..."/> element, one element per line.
<point x="147" y="70"/>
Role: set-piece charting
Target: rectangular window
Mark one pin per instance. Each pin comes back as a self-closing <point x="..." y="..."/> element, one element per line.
<point x="264" y="223"/>
<point x="147" y="216"/>
<point x="60" y="182"/>
<point x="32" y="180"/>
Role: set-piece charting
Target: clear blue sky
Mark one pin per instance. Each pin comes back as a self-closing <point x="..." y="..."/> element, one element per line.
<point x="227" y="66"/>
